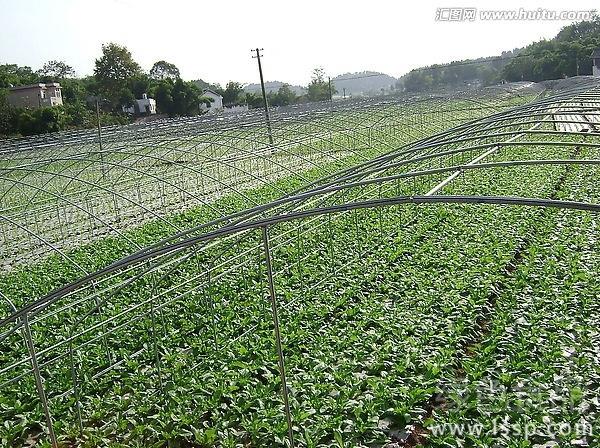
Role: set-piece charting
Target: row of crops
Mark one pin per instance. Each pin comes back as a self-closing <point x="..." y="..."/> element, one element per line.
<point x="443" y="281"/>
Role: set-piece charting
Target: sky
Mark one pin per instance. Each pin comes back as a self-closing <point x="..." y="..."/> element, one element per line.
<point x="213" y="40"/>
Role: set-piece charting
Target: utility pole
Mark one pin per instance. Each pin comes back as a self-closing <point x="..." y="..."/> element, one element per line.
<point x="99" y="125"/>
<point x="344" y="93"/>
<point x="576" y="64"/>
<point x="264" y="94"/>
<point x="102" y="165"/>
<point x="330" y="94"/>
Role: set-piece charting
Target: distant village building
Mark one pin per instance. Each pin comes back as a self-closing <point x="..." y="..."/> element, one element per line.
<point x="34" y="96"/>
<point x="143" y="106"/>
<point x="596" y="62"/>
<point x="216" y="104"/>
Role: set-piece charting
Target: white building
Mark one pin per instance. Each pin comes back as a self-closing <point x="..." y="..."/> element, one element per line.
<point x="143" y="106"/>
<point x="596" y="62"/>
<point x="216" y="104"/>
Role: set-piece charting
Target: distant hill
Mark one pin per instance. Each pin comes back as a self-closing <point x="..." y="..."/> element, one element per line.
<point x="273" y="86"/>
<point x="567" y="54"/>
<point x="458" y="74"/>
<point x="204" y="85"/>
<point x="359" y="83"/>
<point x="366" y="83"/>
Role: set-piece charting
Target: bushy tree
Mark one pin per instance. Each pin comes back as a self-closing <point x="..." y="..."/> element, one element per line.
<point x="253" y="100"/>
<point x="14" y="75"/>
<point x="139" y="84"/>
<point x="56" y="71"/>
<point x="163" y="70"/>
<point x="78" y="89"/>
<point x="163" y="95"/>
<point x="178" y="98"/>
<point x="284" y="96"/>
<point x="416" y="81"/>
<point x="318" y="89"/>
<point x="41" y="121"/>
<point x="232" y="93"/>
<point x="8" y="116"/>
<point x="113" y="71"/>
<point x="186" y="98"/>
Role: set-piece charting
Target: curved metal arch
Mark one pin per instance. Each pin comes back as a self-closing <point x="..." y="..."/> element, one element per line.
<point x="475" y="147"/>
<point x="141" y="155"/>
<point x="71" y="179"/>
<point x="257" y="210"/>
<point x="35" y="307"/>
<point x="108" y="225"/>
<point x="420" y="146"/>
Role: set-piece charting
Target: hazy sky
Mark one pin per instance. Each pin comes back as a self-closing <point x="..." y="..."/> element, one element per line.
<point x="212" y="40"/>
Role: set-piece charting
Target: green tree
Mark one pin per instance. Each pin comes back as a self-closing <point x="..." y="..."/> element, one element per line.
<point x="163" y="94"/>
<point x="178" y="98"/>
<point x="417" y="81"/>
<point x="232" y="93"/>
<point x="318" y="89"/>
<point x="77" y="115"/>
<point x="163" y="70"/>
<point x="55" y="71"/>
<point x="14" y="75"/>
<point x="8" y="116"/>
<point x="40" y="121"/>
<point x="253" y="100"/>
<point x="139" y="84"/>
<point x="113" y="71"/>
<point x="565" y="55"/>
<point x="78" y="89"/>
<point x="284" y="96"/>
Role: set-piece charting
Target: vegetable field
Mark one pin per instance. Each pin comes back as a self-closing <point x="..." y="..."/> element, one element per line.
<point x="398" y="272"/>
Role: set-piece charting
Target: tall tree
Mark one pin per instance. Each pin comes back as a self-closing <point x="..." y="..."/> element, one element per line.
<point x="232" y="93"/>
<point x="55" y="71"/>
<point x="253" y="100"/>
<point x="318" y="89"/>
<point x="162" y="70"/>
<point x="139" y="85"/>
<point x="284" y="96"/>
<point x="113" y="71"/>
<point x="186" y="98"/>
<point x="163" y="94"/>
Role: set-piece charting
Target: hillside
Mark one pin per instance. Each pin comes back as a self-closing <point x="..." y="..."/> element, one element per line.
<point x="364" y="83"/>
<point x="204" y="84"/>
<point x="458" y="74"/>
<point x="567" y="54"/>
<point x="273" y="87"/>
